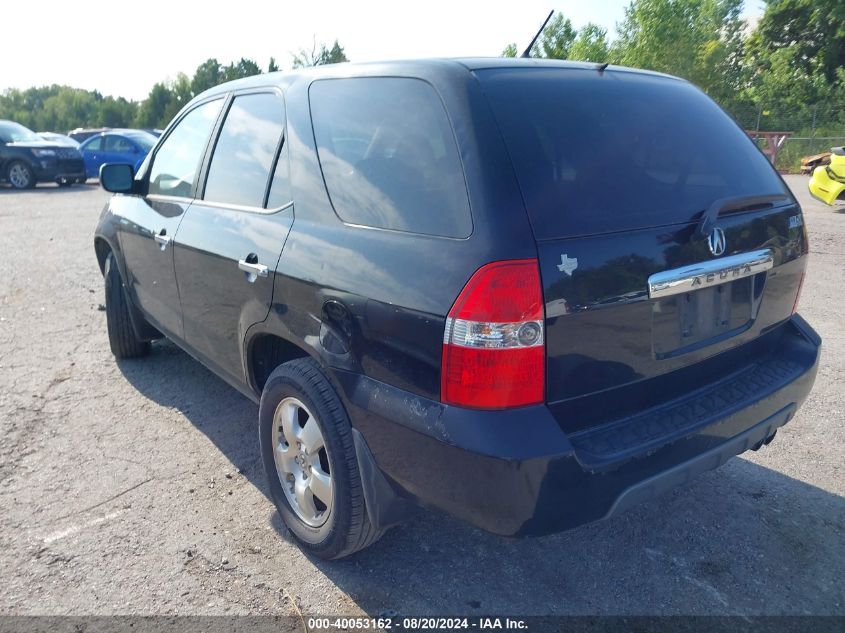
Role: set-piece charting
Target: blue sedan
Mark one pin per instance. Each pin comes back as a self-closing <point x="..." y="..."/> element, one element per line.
<point x="128" y="147"/>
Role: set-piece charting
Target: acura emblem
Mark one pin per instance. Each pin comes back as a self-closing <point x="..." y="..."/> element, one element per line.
<point x="716" y="242"/>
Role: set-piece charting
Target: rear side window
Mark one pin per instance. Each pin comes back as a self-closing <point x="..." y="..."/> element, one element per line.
<point x="177" y="160"/>
<point x="389" y="155"/>
<point x="246" y="150"/>
<point x="616" y="151"/>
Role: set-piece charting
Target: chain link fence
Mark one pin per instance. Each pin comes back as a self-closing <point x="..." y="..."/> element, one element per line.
<point x="812" y="129"/>
<point x="795" y="148"/>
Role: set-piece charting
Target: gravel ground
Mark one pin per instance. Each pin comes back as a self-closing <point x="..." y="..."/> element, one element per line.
<point x="136" y="487"/>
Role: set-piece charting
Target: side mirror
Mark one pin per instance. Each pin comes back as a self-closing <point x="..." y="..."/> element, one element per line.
<point x="117" y="178"/>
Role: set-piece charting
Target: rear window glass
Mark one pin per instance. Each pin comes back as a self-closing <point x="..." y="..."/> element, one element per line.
<point x="389" y="156"/>
<point x="616" y="151"/>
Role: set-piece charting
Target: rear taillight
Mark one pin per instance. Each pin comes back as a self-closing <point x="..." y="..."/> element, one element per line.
<point x="493" y="351"/>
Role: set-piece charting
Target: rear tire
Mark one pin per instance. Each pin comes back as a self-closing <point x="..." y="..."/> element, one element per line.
<point x="20" y="175"/>
<point x="341" y="527"/>
<point x="123" y="341"/>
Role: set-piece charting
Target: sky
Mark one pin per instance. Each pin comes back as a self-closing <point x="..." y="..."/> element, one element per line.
<point x="123" y="48"/>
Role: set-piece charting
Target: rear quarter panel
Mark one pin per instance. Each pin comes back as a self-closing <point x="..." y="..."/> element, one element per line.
<point x="374" y="301"/>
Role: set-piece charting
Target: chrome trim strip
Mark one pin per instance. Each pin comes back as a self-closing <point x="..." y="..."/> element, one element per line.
<point x="242" y="207"/>
<point x="712" y="273"/>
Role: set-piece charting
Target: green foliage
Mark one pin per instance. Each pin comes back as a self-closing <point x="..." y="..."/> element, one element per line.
<point x="812" y="31"/>
<point x="208" y="74"/>
<point x="314" y="57"/>
<point x="590" y="44"/>
<point x="243" y="68"/>
<point x="699" y="40"/>
<point x="556" y="39"/>
<point x="780" y="76"/>
<point x="510" y="51"/>
<point x="796" y="56"/>
<point x="62" y="108"/>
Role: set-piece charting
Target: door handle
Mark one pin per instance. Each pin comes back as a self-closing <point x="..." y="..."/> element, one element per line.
<point x="253" y="270"/>
<point x="162" y="239"/>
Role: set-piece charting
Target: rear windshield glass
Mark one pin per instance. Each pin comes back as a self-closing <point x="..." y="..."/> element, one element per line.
<point x="615" y="151"/>
<point x="389" y="155"/>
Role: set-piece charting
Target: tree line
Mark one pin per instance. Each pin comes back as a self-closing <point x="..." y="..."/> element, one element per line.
<point x="786" y="72"/>
<point x="62" y="108"/>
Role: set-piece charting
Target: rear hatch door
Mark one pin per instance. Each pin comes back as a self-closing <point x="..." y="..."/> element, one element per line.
<point x="618" y="170"/>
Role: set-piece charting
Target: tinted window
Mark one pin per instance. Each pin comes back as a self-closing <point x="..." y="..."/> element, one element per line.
<point x="607" y="152"/>
<point x="95" y="145"/>
<point x="118" y="144"/>
<point x="177" y="161"/>
<point x="389" y="155"/>
<point x="245" y="150"/>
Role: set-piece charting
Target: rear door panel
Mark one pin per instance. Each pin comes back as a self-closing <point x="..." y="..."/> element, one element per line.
<point x="229" y="232"/>
<point x="220" y="301"/>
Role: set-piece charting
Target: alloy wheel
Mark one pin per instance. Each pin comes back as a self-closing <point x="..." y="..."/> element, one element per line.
<point x="19" y="176"/>
<point x="302" y="462"/>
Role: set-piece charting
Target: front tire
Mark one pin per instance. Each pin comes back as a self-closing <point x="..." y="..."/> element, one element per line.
<point x="20" y="175"/>
<point x="123" y="341"/>
<point x="310" y="462"/>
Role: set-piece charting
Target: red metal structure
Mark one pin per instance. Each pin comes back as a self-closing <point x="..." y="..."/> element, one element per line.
<point x="772" y="142"/>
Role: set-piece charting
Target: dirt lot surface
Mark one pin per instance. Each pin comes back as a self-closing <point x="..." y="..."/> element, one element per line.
<point x="136" y="487"/>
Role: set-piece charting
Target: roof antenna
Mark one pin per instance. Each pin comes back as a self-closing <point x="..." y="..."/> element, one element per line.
<point x="602" y="67"/>
<point x="527" y="51"/>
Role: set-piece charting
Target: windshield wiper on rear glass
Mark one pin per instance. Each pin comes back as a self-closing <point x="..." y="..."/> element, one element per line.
<point x="735" y="203"/>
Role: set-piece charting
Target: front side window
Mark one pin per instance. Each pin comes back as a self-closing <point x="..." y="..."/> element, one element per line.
<point x="389" y="155"/>
<point x="177" y="161"/>
<point x="95" y="145"/>
<point x="246" y="150"/>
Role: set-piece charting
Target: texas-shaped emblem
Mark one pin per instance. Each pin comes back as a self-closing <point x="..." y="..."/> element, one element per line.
<point x="567" y="264"/>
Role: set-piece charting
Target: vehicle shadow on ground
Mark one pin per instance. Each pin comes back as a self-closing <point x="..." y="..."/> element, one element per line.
<point x="741" y="540"/>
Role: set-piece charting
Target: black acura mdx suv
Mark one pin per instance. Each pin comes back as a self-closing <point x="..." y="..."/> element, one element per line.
<point x="529" y="293"/>
<point x="27" y="159"/>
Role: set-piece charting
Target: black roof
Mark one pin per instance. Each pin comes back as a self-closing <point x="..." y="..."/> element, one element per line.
<point x="415" y="67"/>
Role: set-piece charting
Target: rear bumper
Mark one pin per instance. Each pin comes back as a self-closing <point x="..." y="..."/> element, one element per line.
<point x="517" y="473"/>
